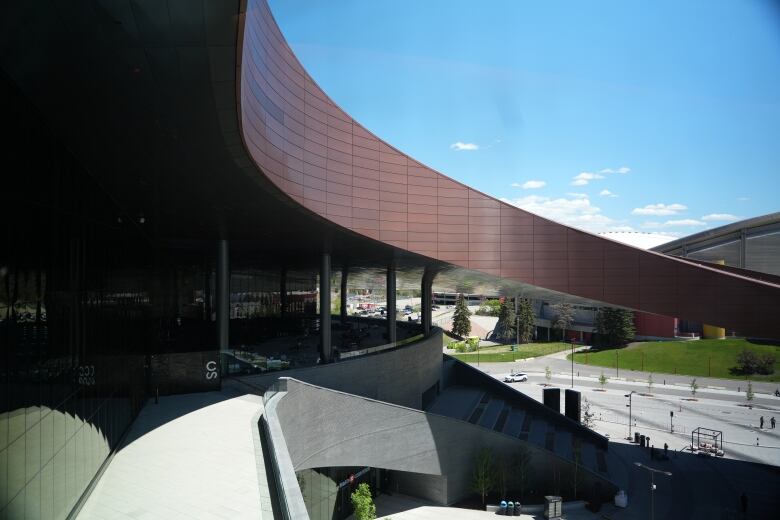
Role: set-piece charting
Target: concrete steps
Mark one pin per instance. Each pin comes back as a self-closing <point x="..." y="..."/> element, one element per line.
<point x="482" y="409"/>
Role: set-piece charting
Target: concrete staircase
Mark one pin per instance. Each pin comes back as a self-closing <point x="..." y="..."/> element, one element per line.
<point x="483" y="409"/>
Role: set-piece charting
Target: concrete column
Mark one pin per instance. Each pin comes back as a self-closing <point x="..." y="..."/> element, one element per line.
<point x="223" y="295"/>
<point x="391" y="336"/>
<point x="742" y="245"/>
<point x="325" y="347"/>
<point x="427" y="301"/>
<point x="343" y="294"/>
<point x="283" y="293"/>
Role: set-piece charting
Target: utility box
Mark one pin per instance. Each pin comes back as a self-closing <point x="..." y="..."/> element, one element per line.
<point x="573" y="400"/>
<point x="553" y="507"/>
<point x="552" y="398"/>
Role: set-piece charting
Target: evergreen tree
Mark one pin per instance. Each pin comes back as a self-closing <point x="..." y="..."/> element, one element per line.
<point x="564" y="317"/>
<point x="505" y="326"/>
<point x="526" y="321"/>
<point x="461" y="324"/>
<point x="616" y="326"/>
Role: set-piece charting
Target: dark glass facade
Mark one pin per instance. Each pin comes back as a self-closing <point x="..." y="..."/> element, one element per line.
<point x="91" y="312"/>
<point x="327" y="491"/>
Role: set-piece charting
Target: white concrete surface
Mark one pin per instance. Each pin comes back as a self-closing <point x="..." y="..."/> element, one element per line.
<point x="190" y="456"/>
<point x="402" y="507"/>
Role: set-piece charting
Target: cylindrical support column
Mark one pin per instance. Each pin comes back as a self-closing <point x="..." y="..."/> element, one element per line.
<point x="427" y="301"/>
<point x="391" y="336"/>
<point x="343" y="294"/>
<point x="325" y="349"/>
<point x="223" y="295"/>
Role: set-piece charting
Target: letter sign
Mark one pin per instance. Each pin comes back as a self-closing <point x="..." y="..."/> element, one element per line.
<point x="211" y="370"/>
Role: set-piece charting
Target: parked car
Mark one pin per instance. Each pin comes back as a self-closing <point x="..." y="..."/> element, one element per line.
<point x="516" y="378"/>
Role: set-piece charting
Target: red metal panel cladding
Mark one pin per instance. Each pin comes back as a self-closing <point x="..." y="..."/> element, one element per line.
<point x="319" y="156"/>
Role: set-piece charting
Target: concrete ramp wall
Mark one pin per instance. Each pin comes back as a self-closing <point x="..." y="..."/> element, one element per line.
<point x="325" y="428"/>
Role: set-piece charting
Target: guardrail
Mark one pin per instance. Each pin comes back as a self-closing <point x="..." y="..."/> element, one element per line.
<point x="290" y="499"/>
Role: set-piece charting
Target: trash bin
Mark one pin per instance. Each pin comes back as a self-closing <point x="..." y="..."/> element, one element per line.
<point x="510" y="508"/>
<point x="636" y="437"/>
<point x="502" y="508"/>
<point x="553" y="507"/>
<point x="642" y="440"/>
<point x="518" y="508"/>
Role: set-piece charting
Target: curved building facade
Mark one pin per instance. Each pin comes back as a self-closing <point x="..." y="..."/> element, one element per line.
<point x="325" y="161"/>
<point x="179" y="189"/>
<point x="752" y="244"/>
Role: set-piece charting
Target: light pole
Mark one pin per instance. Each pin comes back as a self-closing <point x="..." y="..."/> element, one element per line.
<point x="572" y="363"/>
<point x="652" y="471"/>
<point x="630" y="420"/>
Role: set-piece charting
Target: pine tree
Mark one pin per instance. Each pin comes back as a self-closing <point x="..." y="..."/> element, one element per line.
<point x="616" y="326"/>
<point x="461" y="324"/>
<point x="526" y="320"/>
<point x="505" y="326"/>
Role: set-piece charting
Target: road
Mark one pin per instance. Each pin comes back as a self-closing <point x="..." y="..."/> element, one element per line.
<point x="560" y="365"/>
<point x="701" y="487"/>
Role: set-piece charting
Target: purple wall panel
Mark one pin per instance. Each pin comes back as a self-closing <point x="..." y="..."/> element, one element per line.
<point x="319" y="156"/>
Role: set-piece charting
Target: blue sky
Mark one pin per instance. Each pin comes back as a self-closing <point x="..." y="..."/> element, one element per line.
<point x="683" y="98"/>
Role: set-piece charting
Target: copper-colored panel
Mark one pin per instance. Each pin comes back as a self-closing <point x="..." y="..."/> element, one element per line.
<point x="298" y="137"/>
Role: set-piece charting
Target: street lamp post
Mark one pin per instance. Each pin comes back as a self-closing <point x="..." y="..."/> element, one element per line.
<point x="572" y="363"/>
<point x="652" y="471"/>
<point x="630" y="420"/>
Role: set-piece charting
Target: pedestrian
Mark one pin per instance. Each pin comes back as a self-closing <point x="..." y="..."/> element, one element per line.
<point x="761" y="422"/>
<point x="772" y="422"/>
<point x="666" y="451"/>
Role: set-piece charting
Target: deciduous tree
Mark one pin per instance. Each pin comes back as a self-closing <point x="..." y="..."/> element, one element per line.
<point x="564" y="317"/>
<point x="484" y="480"/>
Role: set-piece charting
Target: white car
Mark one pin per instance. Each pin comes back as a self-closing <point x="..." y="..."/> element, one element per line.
<point x="516" y="378"/>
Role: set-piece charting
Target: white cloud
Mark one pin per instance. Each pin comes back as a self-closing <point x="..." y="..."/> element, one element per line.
<point x="576" y="212"/>
<point x="720" y="217"/>
<point x="464" y="146"/>
<point x="607" y="193"/>
<point x="585" y="177"/>
<point x="659" y="209"/>
<point x="578" y="195"/>
<point x="530" y="185"/>
<point x="687" y="222"/>
<point x="622" y="169"/>
<point x="743" y="199"/>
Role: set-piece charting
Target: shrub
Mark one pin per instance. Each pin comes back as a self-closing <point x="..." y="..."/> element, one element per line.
<point x="489" y="308"/>
<point x="362" y="503"/>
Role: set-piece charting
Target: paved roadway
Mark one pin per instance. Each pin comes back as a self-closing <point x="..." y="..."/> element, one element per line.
<point x="701" y="486"/>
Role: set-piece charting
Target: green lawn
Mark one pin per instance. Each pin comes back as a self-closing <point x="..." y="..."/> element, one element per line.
<point x="706" y="358"/>
<point x="501" y="353"/>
